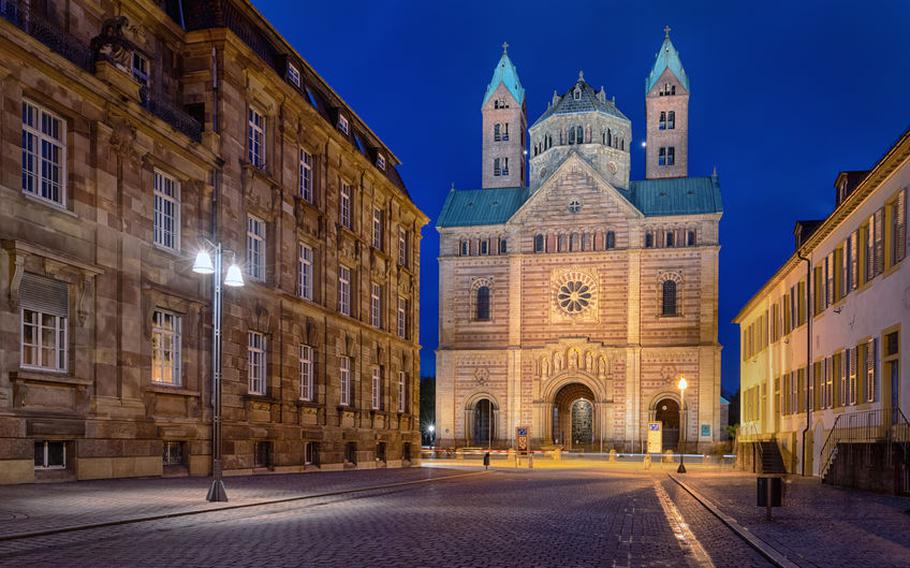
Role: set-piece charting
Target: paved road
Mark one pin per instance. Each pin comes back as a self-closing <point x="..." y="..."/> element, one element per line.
<point x="519" y="518"/>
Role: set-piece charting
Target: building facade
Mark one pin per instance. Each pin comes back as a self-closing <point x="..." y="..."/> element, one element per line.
<point x="574" y="305"/>
<point x="135" y="133"/>
<point x="822" y="373"/>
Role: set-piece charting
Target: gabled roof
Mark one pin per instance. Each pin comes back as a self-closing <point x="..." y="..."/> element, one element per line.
<point x="588" y="101"/>
<point x="507" y="74"/>
<point x="667" y="58"/>
<point x="467" y="208"/>
<point x="652" y="197"/>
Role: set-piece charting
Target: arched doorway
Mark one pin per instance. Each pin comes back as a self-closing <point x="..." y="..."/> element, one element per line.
<point x="483" y="422"/>
<point x="667" y="412"/>
<point x="574" y="420"/>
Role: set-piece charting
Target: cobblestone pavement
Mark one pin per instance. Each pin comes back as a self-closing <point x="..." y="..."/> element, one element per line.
<point x="819" y="525"/>
<point x="502" y="518"/>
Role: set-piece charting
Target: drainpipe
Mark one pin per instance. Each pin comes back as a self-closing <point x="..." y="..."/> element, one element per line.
<point x="809" y="316"/>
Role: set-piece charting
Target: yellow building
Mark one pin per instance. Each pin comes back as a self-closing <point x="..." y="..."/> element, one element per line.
<point x="821" y="372"/>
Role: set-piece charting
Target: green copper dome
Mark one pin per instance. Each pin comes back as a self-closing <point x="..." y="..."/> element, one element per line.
<point x="667" y="57"/>
<point x="507" y="74"/>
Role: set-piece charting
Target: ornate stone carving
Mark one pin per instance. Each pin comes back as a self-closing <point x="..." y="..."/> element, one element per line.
<point x="574" y="295"/>
<point x="481" y="376"/>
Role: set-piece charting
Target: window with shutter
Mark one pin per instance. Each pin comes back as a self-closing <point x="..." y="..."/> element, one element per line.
<point x="879" y="244"/>
<point x="851" y="383"/>
<point x="871" y="369"/>
<point x="44" y="311"/>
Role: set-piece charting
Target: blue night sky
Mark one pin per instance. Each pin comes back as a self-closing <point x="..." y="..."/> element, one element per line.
<point x="784" y="95"/>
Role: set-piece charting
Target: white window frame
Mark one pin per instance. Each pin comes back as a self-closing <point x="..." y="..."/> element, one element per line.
<point x="255" y="247"/>
<point x="404" y="249"/>
<point x="344" y="290"/>
<point x="167" y="338"/>
<point x="256" y="128"/>
<point x="380" y="161"/>
<point x="377" y="228"/>
<point x="305" y="271"/>
<point x="345" y="205"/>
<point x="293" y="74"/>
<point x="58" y="330"/>
<point x="402" y="391"/>
<point x="142" y="73"/>
<point x="166" y="211"/>
<point x="45" y="465"/>
<point x="48" y="148"/>
<point x="402" y="327"/>
<point x="257" y="362"/>
<point x="376" y="388"/>
<point x="343" y="124"/>
<point x="305" y="359"/>
<point x="344" y="377"/>
<point x="306" y="176"/>
<point x="376" y="305"/>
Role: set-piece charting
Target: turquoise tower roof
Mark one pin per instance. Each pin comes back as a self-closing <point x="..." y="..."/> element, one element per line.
<point x="507" y="74"/>
<point x="667" y="57"/>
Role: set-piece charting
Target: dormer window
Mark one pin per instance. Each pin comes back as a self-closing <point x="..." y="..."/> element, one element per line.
<point x="576" y="94"/>
<point x="293" y="74"/>
<point x="380" y="162"/>
<point x="343" y="124"/>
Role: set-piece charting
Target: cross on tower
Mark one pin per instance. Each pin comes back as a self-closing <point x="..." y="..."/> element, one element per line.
<point x="505" y="47"/>
<point x="667" y="31"/>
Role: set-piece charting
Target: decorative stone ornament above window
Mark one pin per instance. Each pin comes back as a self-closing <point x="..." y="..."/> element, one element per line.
<point x="574" y="296"/>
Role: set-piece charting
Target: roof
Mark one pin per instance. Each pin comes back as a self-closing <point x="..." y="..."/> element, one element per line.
<point x="667" y="58"/>
<point x="505" y="73"/>
<point x="465" y="208"/>
<point x="653" y="197"/>
<point x="588" y="101"/>
<point x="676" y="196"/>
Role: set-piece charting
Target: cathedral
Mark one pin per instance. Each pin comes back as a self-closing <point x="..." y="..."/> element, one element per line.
<point x="572" y="298"/>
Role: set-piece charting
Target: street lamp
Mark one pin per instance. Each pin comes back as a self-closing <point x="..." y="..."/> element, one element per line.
<point x="204" y="264"/>
<point x="682" y="424"/>
<point x="431" y="429"/>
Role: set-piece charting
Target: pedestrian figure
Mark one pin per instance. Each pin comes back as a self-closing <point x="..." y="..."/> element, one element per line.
<point x="486" y="461"/>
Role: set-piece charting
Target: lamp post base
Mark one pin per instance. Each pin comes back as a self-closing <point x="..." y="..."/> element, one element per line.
<point x="680" y="469"/>
<point x="217" y="492"/>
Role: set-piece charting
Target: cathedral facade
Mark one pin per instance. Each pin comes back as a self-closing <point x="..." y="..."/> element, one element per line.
<point x="573" y="298"/>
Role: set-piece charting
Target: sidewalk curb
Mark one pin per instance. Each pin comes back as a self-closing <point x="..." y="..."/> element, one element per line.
<point x="772" y="554"/>
<point x="133" y="520"/>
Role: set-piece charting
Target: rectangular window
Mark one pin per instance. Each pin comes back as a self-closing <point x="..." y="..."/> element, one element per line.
<point x="842" y="368"/>
<point x="871" y="369"/>
<point x="344" y="290"/>
<point x="402" y="391"/>
<point x="44" y="310"/>
<point x="376" y="389"/>
<point x="853" y="362"/>
<point x="174" y="454"/>
<point x="376" y="305"/>
<point x="464" y="248"/>
<point x="380" y="162"/>
<point x="344" y="205"/>
<point x="304" y="271"/>
<point x="853" y="261"/>
<point x="166" y="347"/>
<point x="256" y="361"/>
<point x="497" y="169"/>
<point x="377" y="228"/>
<point x="505" y="166"/>
<point x="878" y="245"/>
<point x="662" y="157"/>
<point x="306" y="176"/>
<point x="484" y="247"/>
<point x="344" y="377"/>
<point x="256" y="138"/>
<point x="404" y="239"/>
<point x="829" y="279"/>
<point x="140" y="69"/>
<point x="403" y="309"/>
<point x="306" y="372"/>
<point x="166" y="221"/>
<point x="897" y="233"/>
<point x="50" y="455"/>
<point x="293" y="74"/>
<point x="671" y="156"/>
<point x="343" y="124"/>
<point x="255" y="248"/>
<point x="43" y="154"/>
<point x="505" y="132"/>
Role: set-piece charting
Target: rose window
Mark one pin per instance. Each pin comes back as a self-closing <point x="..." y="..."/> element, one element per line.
<point x="576" y="293"/>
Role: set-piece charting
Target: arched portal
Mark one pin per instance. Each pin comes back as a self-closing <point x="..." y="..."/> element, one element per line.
<point x="667" y="412"/>
<point x="574" y="417"/>
<point x="483" y="422"/>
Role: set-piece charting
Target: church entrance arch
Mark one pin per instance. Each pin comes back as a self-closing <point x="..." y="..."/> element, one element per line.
<point x="483" y="422"/>
<point x="574" y="417"/>
<point x="667" y="412"/>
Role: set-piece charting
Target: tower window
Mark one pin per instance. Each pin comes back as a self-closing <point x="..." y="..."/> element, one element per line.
<point x="503" y="246"/>
<point x="649" y="240"/>
<point x="538" y="243"/>
<point x="497" y="168"/>
<point x="577" y="94"/>
<point x="690" y="239"/>
<point x="662" y="157"/>
<point x="497" y="132"/>
<point x="671" y="120"/>
<point x="611" y="239"/>
<point x="671" y="239"/>
<point x="662" y="123"/>
<point x="580" y="134"/>
<point x="609" y="137"/>
<point x="571" y="136"/>
<point x="671" y="156"/>
<point x="505" y="166"/>
<point x="505" y="132"/>
<point x="483" y="304"/>
<point x="668" y="298"/>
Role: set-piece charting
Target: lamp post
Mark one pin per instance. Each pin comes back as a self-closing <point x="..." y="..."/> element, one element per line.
<point x="431" y="429"/>
<point x="205" y="264"/>
<point x="682" y="424"/>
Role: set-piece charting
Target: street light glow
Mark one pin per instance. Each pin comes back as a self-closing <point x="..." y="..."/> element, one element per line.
<point x="203" y="263"/>
<point x="431" y="428"/>
<point x="682" y="383"/>
<point x="233" y="278"/>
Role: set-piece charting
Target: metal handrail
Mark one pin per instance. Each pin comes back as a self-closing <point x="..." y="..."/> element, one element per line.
<point x="879" y="425"/>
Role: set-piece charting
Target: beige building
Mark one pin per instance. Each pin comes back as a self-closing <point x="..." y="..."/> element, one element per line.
<point x="132" y="133"/>
<point x="574" y="306"/>
<point x="822" y="379"/>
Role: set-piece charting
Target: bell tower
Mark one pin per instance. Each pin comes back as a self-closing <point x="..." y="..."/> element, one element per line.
<point x="667" y="112"/>
<point x="504" y="126"/>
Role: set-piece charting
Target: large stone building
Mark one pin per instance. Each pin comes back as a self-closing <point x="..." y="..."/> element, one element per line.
<point x="822" y="379"/>
<point x="574" y="305"/>
<point x="133" y="132"/>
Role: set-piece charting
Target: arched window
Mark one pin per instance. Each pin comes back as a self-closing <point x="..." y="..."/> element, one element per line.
<point x="573" y="243"/>
<point x="580" y="134"/>
<point x="668" y="298"/>
<point x="622" y="144"/>
<point x="483" y="304"/>
<point x="609" y="137"/>
<point x="503" y="246"/>
<point x="671" y="120"/>
<point x="571" y="136"/>
<point x="673" y="89"/>
<point x="671" y="239"/>
<point x="497" y="132"/>
<point x="562" y="243"/>
<point x="585" y="241"/>
<point x="577" y="94"/>
<point x="465" y="248"/>
<point x="649" y="240"/>
<point x="538" y="243"/>
<point x="611" y="239"/>
<point x="662" y="124"/>
<point x="690" y="239"/>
